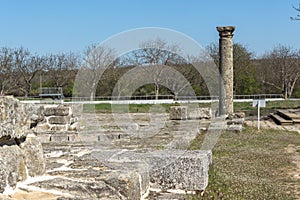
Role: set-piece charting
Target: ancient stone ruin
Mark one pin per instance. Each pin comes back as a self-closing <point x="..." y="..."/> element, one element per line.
<point x="226" y="70"/>
<point x="21" y="154"/>
<point x="76" y="155"/>
<point x="75" y="162"/>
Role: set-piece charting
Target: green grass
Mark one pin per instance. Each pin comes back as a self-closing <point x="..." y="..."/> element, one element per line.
<point x="132" y="108"/>
<point x="250" y="165"/>
<point x="238" y="106"/>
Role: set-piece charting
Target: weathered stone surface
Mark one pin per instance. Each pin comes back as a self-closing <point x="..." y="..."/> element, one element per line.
<point x="74" y="127"/>
<point x="178" y="170"/>
<point x="77" y="189"/>
<point x="236" y="121"/>
<point x="226" y="70"/>
<point x="178" y="112"/>
<point x="12" y="166"/>
<point x="13" y="118"/>
<point x="57" y="110"/>
<point x="172" y="169"/>
<point x="41" y="127"/>
<point x="200" y="113"/>
<point x="55" y="118"/>
<point x="19" y="150"/>
<point x="59" y="120"/>
<point x="33" y="156"/>
<point x="239" y="115"/>
<point x="235" y="127"/>
<point x="35" y="112"/>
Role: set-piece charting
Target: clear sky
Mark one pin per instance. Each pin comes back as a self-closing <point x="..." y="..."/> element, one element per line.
<point x="54" y="26"/>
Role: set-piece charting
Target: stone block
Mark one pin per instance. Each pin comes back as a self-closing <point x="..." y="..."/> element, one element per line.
<point x="187" y="172"/>
<point x="74" y="127"/>
<point x="172" y="169"/>
<point x="57" y="111"/>
<point x="42" y="127"/>
<point x="235" y="127"/>
<point x="12" y="166"/>
<point x="239" y="115"/>
<point x="236" y="121"/>
<point x="178" y="112"/>
<point x="32" y="151"/>
<point x="73" y="189"/>
<point x="14" y="121"/>
<point x="59" y="120"/>
<point x="59" y="127"/>
<point x="200" y="113"/>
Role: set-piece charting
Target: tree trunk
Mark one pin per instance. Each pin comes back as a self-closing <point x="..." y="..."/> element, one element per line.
<point x="92" y="95"/>
<point x="156" y="91"/>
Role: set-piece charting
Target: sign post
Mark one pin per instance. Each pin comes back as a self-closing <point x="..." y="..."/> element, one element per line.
<point x="259" y="103"/>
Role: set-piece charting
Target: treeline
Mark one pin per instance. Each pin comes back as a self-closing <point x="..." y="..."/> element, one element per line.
<point x="23" y="73"/>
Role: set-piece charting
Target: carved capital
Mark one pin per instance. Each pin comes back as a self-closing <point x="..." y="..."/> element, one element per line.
<point x="226" y="31"/>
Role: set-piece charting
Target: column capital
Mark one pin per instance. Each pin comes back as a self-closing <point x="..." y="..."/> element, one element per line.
<point x="226" y="31"/>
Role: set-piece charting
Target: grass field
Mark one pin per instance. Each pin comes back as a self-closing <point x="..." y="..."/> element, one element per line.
<point x="251" y="165"/>
<point x="238" y="106"/>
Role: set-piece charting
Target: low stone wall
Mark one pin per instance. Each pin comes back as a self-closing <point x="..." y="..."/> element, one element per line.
<point x="21" y="154"/>
<point x="56" y="118"/>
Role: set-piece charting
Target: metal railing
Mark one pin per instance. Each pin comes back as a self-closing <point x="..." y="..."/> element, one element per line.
<point x="160" y="97"/>
<point x="172" y="97"/>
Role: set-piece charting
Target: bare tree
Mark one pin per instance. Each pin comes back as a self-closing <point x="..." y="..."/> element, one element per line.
<point x="282" y="69"/>
<point x="60" y="67"/>
<point x="152" y="53"/>
<point x="298" y="10"/>
<point x="28" y="66"/>
<point x="97" y="60"/>
<point x="8" y="71"/>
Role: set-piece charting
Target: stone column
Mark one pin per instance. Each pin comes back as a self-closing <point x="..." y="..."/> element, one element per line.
<point x="226" y="70"/>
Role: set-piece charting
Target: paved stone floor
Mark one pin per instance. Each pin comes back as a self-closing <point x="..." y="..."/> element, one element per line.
<point x="75" y="168"/>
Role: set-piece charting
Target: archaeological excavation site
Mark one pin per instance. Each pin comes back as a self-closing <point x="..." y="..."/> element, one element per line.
<point x="149" y="100"/>
<point x="56" y="150"/>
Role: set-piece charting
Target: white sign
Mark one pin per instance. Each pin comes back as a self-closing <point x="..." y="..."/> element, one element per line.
<point x="259" y="102"/>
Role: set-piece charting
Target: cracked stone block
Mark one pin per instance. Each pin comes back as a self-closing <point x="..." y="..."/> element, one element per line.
<point x="173" y="169"/>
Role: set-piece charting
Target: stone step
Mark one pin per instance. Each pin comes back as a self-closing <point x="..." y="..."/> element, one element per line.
<point x="280" y="120"/>
<point x="296" y="121"/>
<point x="287" y="114"/>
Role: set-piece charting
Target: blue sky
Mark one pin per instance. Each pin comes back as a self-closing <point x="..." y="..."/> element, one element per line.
<point x="55" y="26"/>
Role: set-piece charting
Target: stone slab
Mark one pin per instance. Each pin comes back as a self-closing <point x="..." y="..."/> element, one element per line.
<point x="172" y="169"/>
